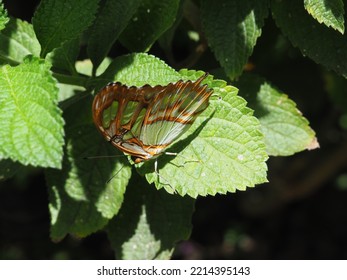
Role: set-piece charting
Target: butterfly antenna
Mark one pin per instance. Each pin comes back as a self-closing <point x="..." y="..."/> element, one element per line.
<point x="102" y="157"/>
<point x="186" y="160"/>
<point x="114" y="175"/>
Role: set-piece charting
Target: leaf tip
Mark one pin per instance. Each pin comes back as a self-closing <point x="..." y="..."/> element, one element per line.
<point x="314" y="144"/>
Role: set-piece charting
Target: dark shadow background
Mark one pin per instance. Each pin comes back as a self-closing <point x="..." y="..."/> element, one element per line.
<point x="300" y="214"/>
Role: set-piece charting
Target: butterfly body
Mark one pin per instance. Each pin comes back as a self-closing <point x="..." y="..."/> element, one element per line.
<point x="144" y="121"/>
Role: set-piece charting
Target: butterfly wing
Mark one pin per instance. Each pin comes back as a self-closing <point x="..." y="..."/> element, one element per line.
<point x="172" y="111"/>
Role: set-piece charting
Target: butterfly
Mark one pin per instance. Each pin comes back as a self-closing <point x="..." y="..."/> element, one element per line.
<point x="143" y="121"/>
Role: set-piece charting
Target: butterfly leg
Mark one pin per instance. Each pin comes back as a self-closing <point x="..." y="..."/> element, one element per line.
<point x="186" y="160"/>
<point x="170" y="189"/>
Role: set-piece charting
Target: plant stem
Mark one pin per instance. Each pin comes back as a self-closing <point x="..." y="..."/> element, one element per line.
<point x="79" y="80"/>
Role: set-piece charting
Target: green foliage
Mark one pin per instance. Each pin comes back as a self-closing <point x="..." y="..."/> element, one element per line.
<point x="232" y="29"/>
<point x="138" y="70"/>
<point x="3" y="16"/>
<point x="46" y="81"/>
<point x="329" y="12"/>
<point x="99" y="44"/>
<point x="32" y="126"/>
<point x="57" y="21"/>
<point x="81" y="200"/>
<point x="150" y="21"/>
<point x="64" y="57"/>
<point x="17" y="41"/>
<point x="158" y="221"/>
<point x="323" y="45"/>
<point x="286" y="131"/>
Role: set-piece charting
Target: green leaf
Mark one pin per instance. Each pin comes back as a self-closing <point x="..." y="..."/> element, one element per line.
<point x="64" y="57"/>
<point x="286" y="131"/>
<point x="57" y="21"/>
<point x="31" y="123"/>
<point x="81" y="199"/>
<point x="17" y="41"/>
<point x="150" y="21"/>
<point x="137" y="70"/>
<point x="224" y="142"/>
<point x="232" y="29"/>
<point x="150" y="223"/>
<point x="223" y="151"/>
<point x="3" y="16"/>
<point x="329" y="12"/>
<point x="323" y="45"/>
<point x="111" y="21"/>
